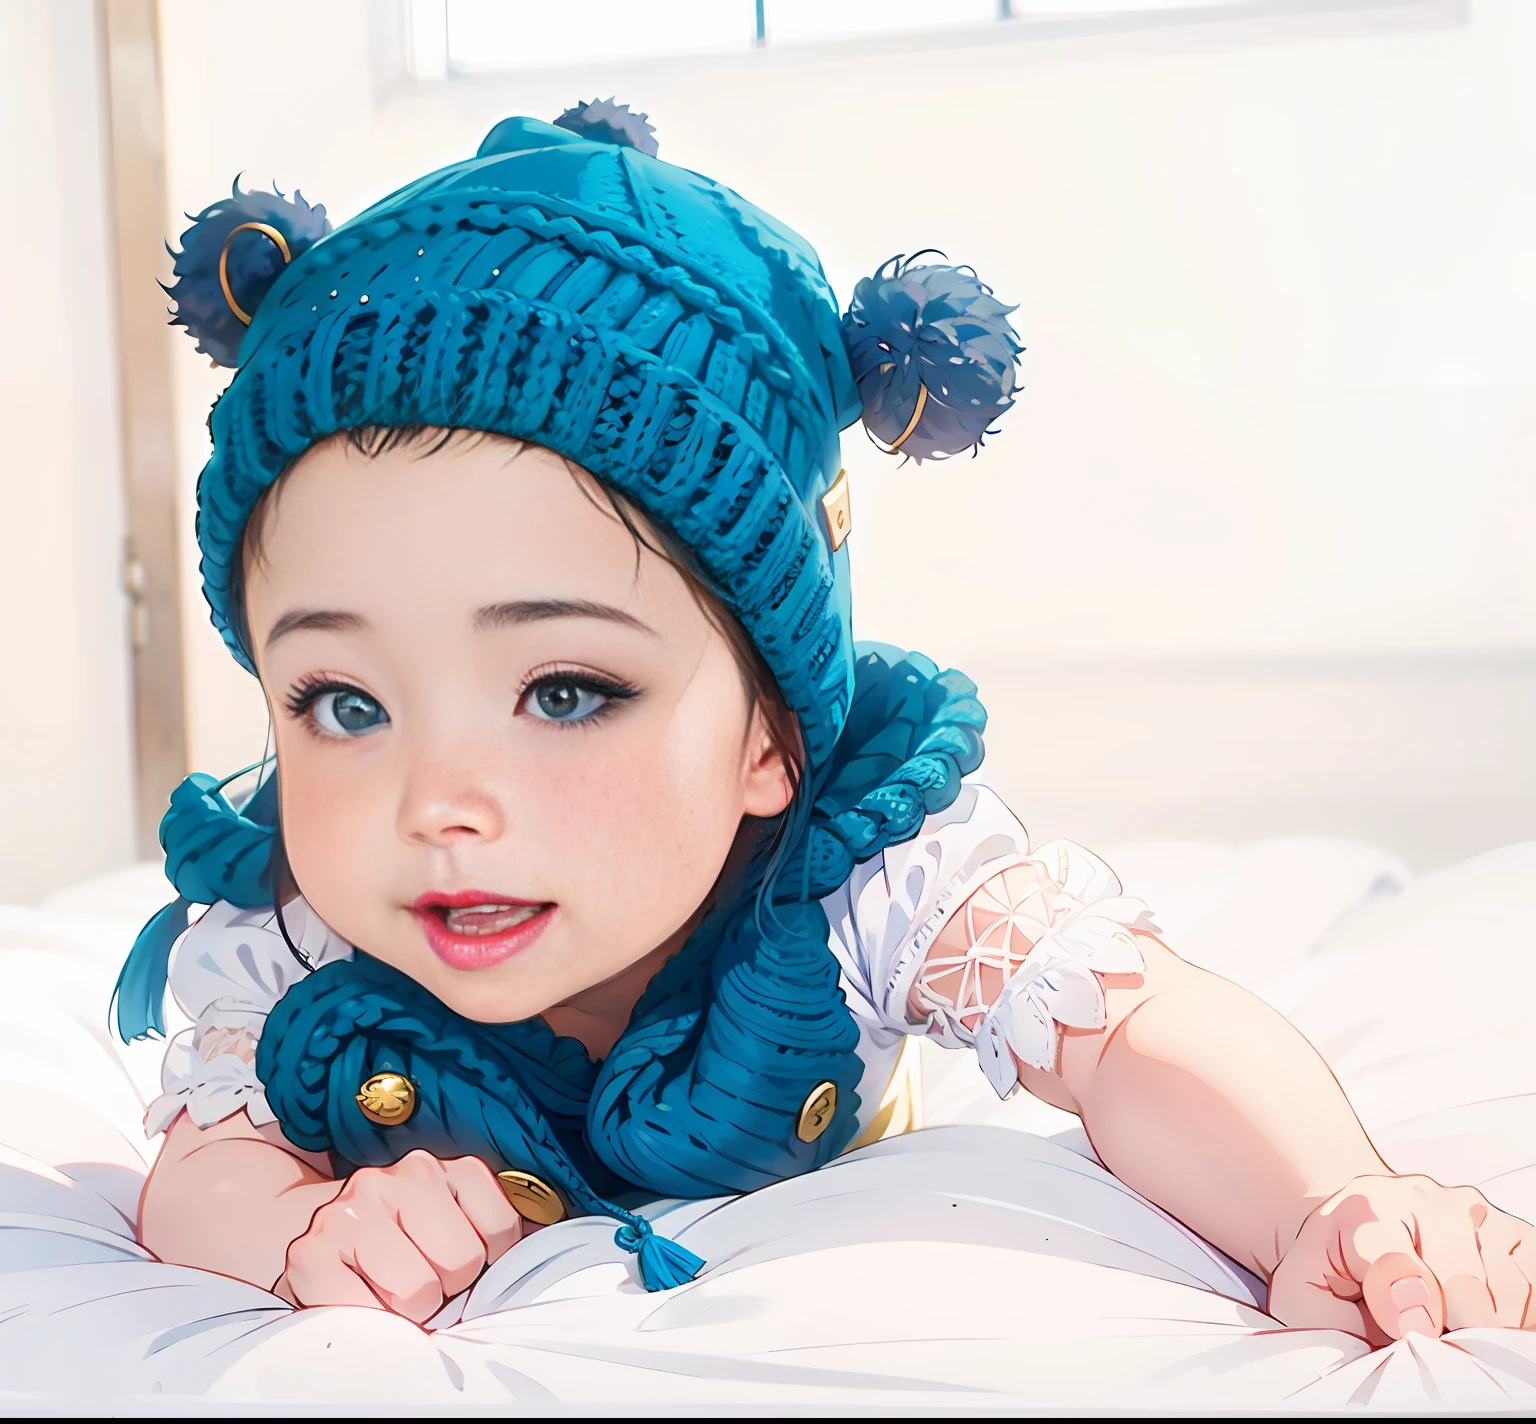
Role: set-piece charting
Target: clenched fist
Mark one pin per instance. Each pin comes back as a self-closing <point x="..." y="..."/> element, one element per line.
<point x="1390" y="1256"/>
<point x="402" y="1238"/>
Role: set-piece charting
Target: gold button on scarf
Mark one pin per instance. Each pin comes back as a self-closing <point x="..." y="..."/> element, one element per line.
<point x="387" y="1099"/>
<point x="816" y="1115"/>
<point x="534" y="1200"/>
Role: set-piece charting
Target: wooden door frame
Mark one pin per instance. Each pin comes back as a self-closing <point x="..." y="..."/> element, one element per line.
<point x="151" y="562"/>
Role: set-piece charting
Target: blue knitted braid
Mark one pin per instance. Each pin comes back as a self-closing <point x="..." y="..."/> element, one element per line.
<point x="723" y="1118"/>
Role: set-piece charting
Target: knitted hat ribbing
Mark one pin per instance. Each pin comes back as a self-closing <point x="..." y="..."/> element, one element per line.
<point x="570" y="289"/>
<point x="642" y="321"/>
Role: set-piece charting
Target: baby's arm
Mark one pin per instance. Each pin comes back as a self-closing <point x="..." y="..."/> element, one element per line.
<point x="245" y="1202"/>
<point x="230" y="1193"/>
<point x="231" y="1197"/>
<point x="1210" y="1103"/>
<point x="1207" y="1101"/>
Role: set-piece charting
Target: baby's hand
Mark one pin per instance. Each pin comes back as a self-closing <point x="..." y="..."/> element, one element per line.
<point x="402" y="1238"/>
<point x="1390" y="1255"/>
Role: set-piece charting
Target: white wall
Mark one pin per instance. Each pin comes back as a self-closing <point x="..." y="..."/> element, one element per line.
<point x="65" y="730"/>
<point x="1272" y="466"/>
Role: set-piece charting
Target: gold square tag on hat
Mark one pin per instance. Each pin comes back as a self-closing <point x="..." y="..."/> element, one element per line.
<point x="834" y="505"/>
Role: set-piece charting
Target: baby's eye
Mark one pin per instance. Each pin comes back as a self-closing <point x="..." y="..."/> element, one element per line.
<point x="569" y="699"/>
<point x="346" y="712"/>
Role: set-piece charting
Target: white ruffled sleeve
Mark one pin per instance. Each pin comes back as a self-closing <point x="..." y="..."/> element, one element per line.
<point x="226" y="973"/>
<point x="890" y="909"/>
<point x="1074" y="924"/>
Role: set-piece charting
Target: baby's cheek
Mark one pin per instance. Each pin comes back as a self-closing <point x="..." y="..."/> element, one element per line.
<point x="338" y="835"/>
<point x="644" y="834"/>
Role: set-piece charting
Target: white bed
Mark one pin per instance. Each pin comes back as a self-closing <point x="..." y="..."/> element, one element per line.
<point x="971" y="1264"/>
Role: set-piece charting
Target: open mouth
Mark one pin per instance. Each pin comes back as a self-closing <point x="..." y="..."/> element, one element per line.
<point x="474" y="930"/>
<point x="486" y="919"/>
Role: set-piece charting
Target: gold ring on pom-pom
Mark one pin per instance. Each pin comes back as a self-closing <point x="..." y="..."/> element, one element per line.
<point x="387" y="1099"/>
<point x="917" y="413"/>
<point x="266" y="230"/>
<point x="534" y="1199"/>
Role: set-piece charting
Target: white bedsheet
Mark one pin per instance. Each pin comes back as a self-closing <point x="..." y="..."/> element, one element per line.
<point x="970" y="1265"/>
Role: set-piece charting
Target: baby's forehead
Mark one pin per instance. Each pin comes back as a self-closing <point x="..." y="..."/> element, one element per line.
<point x="484" y="493"/>
<point x="460" y="525"/>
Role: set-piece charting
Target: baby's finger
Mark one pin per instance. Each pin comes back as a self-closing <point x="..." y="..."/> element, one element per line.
<point x="1500" y="1240"/>
<point x="316" y="1275"/>
<point x="1448" y="1245"/>
<point x="398" y="1273"/>
<point x="482" y="1200"/>
<point x="439" y="1229"/>
<point x="1524" y="1256"/>
<point x="1400" y="1291"/>
<point x="1403" y="1296"/>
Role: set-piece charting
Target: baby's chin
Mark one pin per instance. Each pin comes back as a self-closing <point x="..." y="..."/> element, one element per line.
<point x="520" y="987"/>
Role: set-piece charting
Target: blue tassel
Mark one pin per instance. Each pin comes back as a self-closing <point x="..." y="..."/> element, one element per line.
<point x="663" y="1263"/>
<point x="138" y="1000"/>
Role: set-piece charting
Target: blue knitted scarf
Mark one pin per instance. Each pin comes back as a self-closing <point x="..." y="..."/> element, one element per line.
<point x="702" y="1092"/>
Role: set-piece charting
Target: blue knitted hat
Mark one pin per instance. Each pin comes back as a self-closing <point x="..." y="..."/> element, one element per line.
<point x="567" y="287"/>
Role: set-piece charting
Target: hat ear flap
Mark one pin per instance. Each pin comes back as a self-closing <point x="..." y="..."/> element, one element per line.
<point x="230" y="257"/>
<point x="934" y="356"/>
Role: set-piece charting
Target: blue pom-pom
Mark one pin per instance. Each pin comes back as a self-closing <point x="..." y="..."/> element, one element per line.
<point x="254" y="262"/>
<point x="934" y="355"/>
<point x="603" y="121"/>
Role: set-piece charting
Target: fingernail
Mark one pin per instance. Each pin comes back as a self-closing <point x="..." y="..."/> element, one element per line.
<point x="1408" y="1292"/>
<point x="1416" y="1322"/>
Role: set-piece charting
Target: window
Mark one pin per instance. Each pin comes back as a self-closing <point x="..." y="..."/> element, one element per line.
<point x="495" y="36"/>
<point x="499" y="36"/>
<point x="489" y="35"/>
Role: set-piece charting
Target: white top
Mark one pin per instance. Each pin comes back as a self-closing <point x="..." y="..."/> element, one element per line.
<point x="232" y="965"/>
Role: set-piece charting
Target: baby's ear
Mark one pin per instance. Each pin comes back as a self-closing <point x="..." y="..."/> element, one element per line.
<point x="770" y="778"/>
<point x="230" y="258"/>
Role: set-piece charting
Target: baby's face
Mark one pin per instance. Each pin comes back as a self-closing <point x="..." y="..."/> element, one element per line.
<point x="512" y="764"/>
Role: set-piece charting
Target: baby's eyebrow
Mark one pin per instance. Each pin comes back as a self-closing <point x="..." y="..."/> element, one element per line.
<point x="325" y="619"/>
<point x="534" y="610"/>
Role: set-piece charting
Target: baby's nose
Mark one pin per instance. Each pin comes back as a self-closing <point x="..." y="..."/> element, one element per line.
<point x="447" y="809"/>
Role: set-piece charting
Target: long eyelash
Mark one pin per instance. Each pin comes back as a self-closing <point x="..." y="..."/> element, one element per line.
<point x="308" y="690"/>
<point x="614" y="690"/>
<point x="598" y="682"/>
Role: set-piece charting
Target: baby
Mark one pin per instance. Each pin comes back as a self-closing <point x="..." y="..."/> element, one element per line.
<point x="598" y="866"/>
